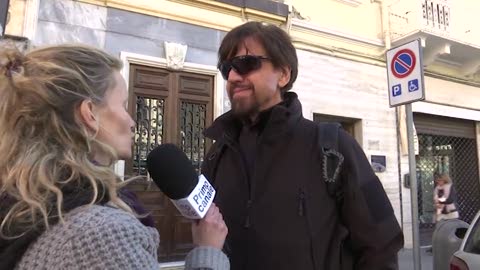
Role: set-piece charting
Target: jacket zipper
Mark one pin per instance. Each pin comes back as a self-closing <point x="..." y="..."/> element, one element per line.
<point x="341" y="255"/>
<point x="233" y="145"/>
<point x="301" y="203"/>
<point x="302" y="211"/>
<point x="247" y="219"/>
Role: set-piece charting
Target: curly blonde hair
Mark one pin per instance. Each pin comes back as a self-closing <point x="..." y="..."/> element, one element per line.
<point x="45" y="149"/>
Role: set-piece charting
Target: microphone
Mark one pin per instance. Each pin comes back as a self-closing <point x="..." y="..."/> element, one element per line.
<point x="172" y="171"/>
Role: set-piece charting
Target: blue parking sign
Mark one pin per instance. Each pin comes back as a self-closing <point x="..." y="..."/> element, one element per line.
<point x="397" y="90"/>
<point x="413" y="85"/>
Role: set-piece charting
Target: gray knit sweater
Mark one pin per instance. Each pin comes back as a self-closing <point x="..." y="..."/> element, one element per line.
<point x="102" y="237"/>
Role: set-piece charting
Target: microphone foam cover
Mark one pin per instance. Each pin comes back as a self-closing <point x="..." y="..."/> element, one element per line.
<point x="172" y="171"/>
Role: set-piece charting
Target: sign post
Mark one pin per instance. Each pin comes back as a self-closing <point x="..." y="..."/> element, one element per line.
<point x="406" y="85"/>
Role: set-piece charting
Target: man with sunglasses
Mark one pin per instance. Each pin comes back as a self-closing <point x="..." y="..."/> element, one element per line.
<point x="266" y="167"/>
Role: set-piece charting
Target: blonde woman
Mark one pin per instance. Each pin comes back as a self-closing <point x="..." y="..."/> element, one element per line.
<point x="444" y="197"/>
<point x="63" y="123"/>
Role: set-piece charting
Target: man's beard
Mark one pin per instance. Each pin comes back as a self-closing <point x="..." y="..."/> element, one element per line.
<point x="245" y="107"/>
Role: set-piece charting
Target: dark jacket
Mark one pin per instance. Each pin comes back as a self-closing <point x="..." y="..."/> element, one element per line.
<point x="282" y="217"/>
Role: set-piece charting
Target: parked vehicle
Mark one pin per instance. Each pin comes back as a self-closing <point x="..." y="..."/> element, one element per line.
<point x="468" y="256"/>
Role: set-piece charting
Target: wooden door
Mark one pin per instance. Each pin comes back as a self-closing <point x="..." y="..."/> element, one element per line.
<point x="168" y="107"/>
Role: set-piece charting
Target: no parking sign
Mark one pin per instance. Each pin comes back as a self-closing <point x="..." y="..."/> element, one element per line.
<point x="405" y="74"/>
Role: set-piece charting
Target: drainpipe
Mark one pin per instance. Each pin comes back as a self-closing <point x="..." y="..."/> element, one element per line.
<point x="385" y="23"/>
<point x="388" y="44"/>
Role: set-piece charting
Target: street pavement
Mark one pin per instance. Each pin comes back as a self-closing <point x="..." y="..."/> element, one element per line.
<point x="405" y="259"/>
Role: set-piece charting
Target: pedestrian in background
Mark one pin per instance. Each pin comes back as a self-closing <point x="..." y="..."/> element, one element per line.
<point x="445" y="198"/>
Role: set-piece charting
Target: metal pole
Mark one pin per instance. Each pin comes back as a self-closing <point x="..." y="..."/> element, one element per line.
<point x="413" y="188"/>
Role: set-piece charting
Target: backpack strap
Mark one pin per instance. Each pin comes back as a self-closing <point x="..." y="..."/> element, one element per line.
<point x="332" y="160"/>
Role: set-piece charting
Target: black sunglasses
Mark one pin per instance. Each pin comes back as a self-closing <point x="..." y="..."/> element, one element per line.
<point x="243" y="64"/>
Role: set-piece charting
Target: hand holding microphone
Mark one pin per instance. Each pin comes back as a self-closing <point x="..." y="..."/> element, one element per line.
<point x="211" y="230"/>
<point x="173" y="173"/>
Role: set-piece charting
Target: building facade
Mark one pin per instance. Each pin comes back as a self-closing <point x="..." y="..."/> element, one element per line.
<point x="169" y="47"/>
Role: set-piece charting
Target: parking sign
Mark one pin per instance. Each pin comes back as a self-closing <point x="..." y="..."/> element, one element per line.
<point x="405" y="74"/>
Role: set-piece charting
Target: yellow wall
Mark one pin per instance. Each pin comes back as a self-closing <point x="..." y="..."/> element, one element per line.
<point x="331" y="27"/>
<point x="349" y="22"/>
<point x="363" y="20"/>
<point x="465" y="18"/>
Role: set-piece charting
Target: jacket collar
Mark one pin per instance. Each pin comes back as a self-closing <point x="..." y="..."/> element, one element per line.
<point x="282" y="118"/>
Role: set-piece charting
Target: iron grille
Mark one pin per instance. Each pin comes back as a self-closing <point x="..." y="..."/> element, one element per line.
<point x="192" y="123"/>
<point x="452" y="155"/>
<point x="436" y="14"/>
<point x="148" y="131"/>
<point x="457" y="157"/>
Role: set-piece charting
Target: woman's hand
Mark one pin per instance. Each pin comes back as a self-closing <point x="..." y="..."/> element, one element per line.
<point x="211" y="230"/>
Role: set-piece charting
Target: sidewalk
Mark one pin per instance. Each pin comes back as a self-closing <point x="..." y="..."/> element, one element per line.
<point x="405" y="259"/>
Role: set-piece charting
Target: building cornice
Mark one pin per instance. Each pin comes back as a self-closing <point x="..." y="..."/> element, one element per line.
<point x="206" y="13"/>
